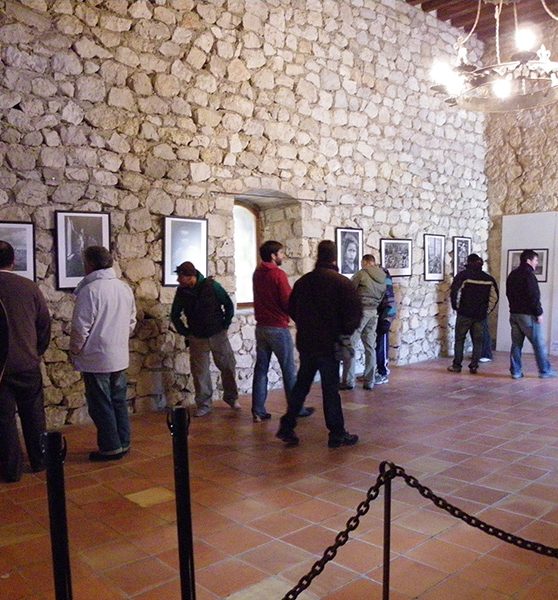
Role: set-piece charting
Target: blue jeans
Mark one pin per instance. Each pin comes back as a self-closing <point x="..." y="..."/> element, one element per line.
<point x="328" y="367"/>
<point x="106" y="401"/>
<point x="462" y="326"/>
<point x="526" y="326"/>
<point x="276" y="340"/>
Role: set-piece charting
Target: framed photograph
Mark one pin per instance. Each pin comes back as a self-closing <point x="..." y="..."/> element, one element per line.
<point x="541" y="272"/>
<point x="396" y="257"/>
<point x="75" y="231"/>
<point x="21" y="236"/>
<point x="434" y="253"/>
<point x="462" y="247"/>
<point x="349" y="249"/>
<point x="184" y="239"/>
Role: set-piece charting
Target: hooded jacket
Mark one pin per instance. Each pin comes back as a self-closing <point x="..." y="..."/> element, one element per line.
<point x="103" y="320"/>
<point x="207" y="307"/>
<point x="474" y="293"/>
<point x="271" y="296"/>
<point x="370" y="284"/>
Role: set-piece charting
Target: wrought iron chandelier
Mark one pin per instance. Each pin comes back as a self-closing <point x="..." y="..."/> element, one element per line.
<point x="528" y="80"/>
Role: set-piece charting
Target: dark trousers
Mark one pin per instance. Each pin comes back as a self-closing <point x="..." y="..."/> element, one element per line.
<point x="462" y="326"/>
<point x="22" y="391"/>
<point x="328" y="368"/>
<point x="382" y="346"/>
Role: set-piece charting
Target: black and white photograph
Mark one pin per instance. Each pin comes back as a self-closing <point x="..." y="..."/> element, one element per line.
<point x="75" y="231"/>
<point x="462" y="247"/>
<point x="434" y="253"/>
<point x="185" y="239"/>
<point x="541" y="272"/>
<point x="21" y="236"/>
<point x="396" y="257"/>
<point x="349" y="249"/>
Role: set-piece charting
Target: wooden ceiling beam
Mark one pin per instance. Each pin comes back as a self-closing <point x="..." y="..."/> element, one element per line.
<point x="430" y="5"/>
<point x="461" y="10"/>
<point x="487" y="27"/>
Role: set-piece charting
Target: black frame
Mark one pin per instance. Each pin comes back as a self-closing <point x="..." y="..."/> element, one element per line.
<point x="394" y="270"/>
<point x="439" y="273"/>
<point x="174" y="254"/>
<point x="457" y="264"/>
<point x="30" y="272"/>
<point x="354" y="234"/>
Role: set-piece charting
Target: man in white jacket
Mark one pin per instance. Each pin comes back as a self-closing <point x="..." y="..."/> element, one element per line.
<point x="103" y="320"/>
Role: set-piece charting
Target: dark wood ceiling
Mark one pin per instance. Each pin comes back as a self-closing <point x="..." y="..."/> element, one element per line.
<point x="462" y="13"/>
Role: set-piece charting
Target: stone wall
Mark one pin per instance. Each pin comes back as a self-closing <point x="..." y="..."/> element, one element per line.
<point x="146" y="109"/>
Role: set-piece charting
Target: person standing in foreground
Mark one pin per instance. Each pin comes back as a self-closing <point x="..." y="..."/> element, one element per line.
<point x="208" y="310"/>
<point x="473" y="294"/>
<point x="271" y="310"/>
<point x="103" y="320"/>
<point x="526" y="315"/>
<point x="370" y="284"/>
<point x="386" y="313"/>
<point x="21" y="386"/>
<point x="324" y="305"/>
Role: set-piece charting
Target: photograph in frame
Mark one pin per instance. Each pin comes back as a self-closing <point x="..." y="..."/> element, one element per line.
<point x="21" y="236"/>
<point x="396" y="256"/>
<point x="76" y="231"/>
<point x="349" y="249"/>
<point x="434" y="253"/>
<point x="541" y="272"/>
<point x="462" y="247"/>
<point x="185" y="239"/>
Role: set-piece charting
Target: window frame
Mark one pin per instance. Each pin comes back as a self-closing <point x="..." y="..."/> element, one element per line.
<point x="257" y="213"/>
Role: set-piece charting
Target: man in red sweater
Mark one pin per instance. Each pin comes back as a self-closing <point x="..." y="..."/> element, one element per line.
<point x="271" y="304"/>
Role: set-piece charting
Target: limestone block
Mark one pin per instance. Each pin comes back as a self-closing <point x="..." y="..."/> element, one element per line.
<point x="141" y="84"/>
<point x="131" y="245"/>
<point x="3" y="197"/>
<point x="182" y="363"/>
<point x="166" y="85"/>
<point x="20" y="158"/>
<point x="239" y="104"/>
<point x="237" y="71"/>
<point x="200" y="172"/>
<point x="159" y="202"/>
<point x="67" y="63"/>
<point x="31" y="193"/>
<point x="90" y="88"/>
<point x="196" y="58"/>
<point x="147" y="290"/>
<point x="121" y="97"/>
<point x="87" y="48"/>
<point x="127" y="56"/>
<point x="138" y="269"/>
<point x="52" y="157"/>
<point x="140" y="10"/>
<point x="55" y="416"/>
<point x="139" y="220"/>
<point x="103" y="117"/>
<point x="62" y="375"/>
<point x="207" y="117"/>
<point x="115" y="24"/>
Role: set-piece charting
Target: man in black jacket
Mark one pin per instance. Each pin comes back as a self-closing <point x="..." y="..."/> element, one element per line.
<point x="474" y="294"/>
<point x="324" y="305"/>
<point x="522" y="290"/>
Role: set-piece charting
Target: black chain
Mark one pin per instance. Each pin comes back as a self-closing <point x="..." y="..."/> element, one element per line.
<point x="390" y="471"/>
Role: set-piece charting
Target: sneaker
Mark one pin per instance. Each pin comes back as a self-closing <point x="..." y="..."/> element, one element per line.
<point x="234" y="404"/>
<point x="485" y="359"/>
<point x="202" y="411"/>
<point x="380" y="379"/>
<point x="306" y="411"/>
<point x="288" y="436"/>
<point x="454" y="369"/>
<point x="368" y="386"/>
<point x="548" y="375"/>
<point x="347" y="439"/>
<point x="261" y="418"/>
<point x="346" y="386"/>
<point x="98" y="456"/>
<point x="473" y="370"/>
<point x="516" y="375"/>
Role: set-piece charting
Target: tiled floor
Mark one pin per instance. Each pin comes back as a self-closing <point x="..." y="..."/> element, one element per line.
<point x="263" y="514"/>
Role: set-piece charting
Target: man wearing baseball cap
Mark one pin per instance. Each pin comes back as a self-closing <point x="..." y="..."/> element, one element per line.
<point x="208" y="311"/>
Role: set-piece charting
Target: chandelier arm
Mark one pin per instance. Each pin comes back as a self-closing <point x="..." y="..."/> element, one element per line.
<point x="515" y="23"/>
<point x="497" y="11"/>
<point x="549" y="12"/>
<point x="474" y="24"/>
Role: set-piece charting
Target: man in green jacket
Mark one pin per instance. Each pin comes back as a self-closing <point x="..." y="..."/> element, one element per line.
<point x="208" y="310"/>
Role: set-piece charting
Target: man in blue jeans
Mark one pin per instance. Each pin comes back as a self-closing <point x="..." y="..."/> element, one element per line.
<point x="103" y="320"/>
<point x="526" y="315"/>
<point x="271" y="310"/>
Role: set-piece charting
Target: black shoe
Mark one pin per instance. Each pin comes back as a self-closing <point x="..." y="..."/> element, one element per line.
<point x="368" y="386"/>
<point x="288" y="436"/>
<point x="454" y="369"/>
<point x="473" y="370"/>
<point x="346" y="386"/>
<point x="260" y="418"/>
<point x="97" y="456"/>
<point x="306" y="411"/>
<point x="347" y="439"/>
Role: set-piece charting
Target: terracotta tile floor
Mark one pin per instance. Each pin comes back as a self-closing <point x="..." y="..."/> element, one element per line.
<point x="263" y="514"/>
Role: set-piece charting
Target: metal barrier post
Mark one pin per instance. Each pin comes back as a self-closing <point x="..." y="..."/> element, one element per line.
<point x="54" y="447"/>
<point x="387" y="537"/>
<point x="178" y="422"/>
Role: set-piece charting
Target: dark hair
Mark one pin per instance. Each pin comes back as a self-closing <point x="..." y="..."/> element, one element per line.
<point x="7" y="255"/>
<point x="474" y="261"/>
<point x="349" y="239"/>
<point x="268" y="248"/>
<point x="527" y="255"/>
<point x="369" y="258"/>
<point x="98" y="257"/>
<point x="327" y="251"/>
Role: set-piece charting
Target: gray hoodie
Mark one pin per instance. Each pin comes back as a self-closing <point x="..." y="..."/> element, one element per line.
<point x="370" y="283"/>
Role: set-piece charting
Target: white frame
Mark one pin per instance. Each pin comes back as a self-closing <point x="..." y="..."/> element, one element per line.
<point x="178" y="252"/>
<point x="438" y="272"/>
<point x="94" y="231"/>
<point x="541" y="273"/>
<point x="21" y="240"/>
<point x="341" y="234"/>
<point x="457" y="265"/>
<point x="387" y="258"/>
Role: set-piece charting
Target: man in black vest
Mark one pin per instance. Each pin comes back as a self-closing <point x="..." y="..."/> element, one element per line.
<point x="208" y="310"/>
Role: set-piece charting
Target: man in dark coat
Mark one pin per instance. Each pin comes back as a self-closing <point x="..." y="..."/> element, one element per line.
<point x="526" y="315"/>
<point x="21" y="386"/>
<point x="324" y="305"/>
<point x="474" y="294"/>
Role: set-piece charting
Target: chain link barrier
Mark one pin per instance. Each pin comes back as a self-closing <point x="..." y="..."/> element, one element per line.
<point x="389" y="471"/>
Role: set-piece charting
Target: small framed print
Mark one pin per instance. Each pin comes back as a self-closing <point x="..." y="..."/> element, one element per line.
<point x="349" y="249"/>
<point x="434" y="253"/>
<point x="184" y="239"/>
<point x="541" y="272"/>
<point x="396" y="257"/>
<point x="462" y="247"/>
<point x="21" y="236"/>
<point x="76" y="231"/>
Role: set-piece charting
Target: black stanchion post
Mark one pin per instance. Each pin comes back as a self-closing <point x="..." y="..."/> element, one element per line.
<point x="54" y="448"/>
<point x="178" y="422"/>
<point x="387" y="537"/>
